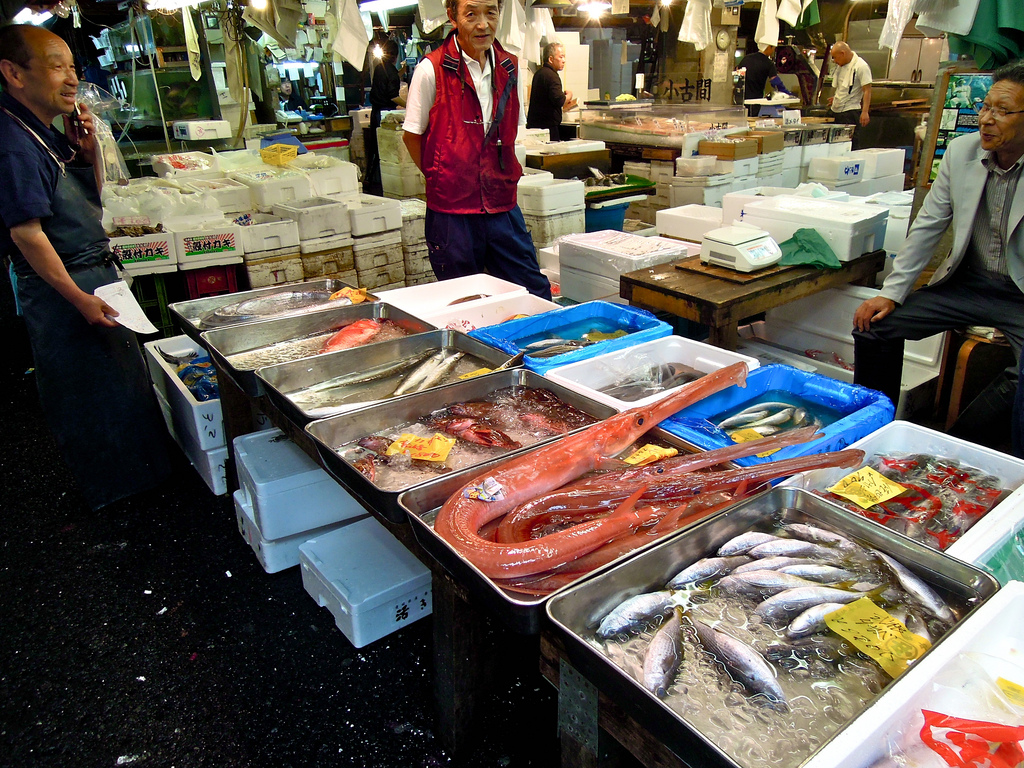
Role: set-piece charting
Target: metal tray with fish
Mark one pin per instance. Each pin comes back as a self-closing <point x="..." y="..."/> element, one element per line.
<point x="314" y="294"/>
<point x="523" y="613"/>
<point x="719" y="699"/>
<point x="367" y="375"/>
<point x="240" y="350"/>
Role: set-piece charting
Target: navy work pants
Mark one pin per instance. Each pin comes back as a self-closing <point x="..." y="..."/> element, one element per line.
<point x="495" y="243"/>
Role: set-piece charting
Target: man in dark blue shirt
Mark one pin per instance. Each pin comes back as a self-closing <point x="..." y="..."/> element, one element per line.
<point x="760" y="67"/>
<point x="92" y="380"/>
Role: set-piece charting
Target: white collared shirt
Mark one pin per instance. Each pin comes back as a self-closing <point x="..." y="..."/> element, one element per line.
<point x="423" y="92"/>
<point x="849" y="81"/>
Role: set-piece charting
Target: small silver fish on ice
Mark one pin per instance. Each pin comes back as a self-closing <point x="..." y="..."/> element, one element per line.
<point x="762" y="583"/>
<point x="773" y="564"/>
<point x="820" y="536"/>
<point x="633" y="613"/>
<point x="743" y="543"/>
<point x="811" y="621"/>
<point x="663" y="656"/>
<point x="743" y="662"/>
<point x="783" y="606"/>
<point x="707" y="568"/>
<point x="795" y="548"/>
<point x="925" y="595"/>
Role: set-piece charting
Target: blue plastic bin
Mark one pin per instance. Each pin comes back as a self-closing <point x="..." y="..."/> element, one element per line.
<point x="865" y="410"/>
<point x="640" y="325"/>
<point x="608" y="217"/>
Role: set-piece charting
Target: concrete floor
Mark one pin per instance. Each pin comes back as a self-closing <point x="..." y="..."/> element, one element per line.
<point x="148" y="635"/>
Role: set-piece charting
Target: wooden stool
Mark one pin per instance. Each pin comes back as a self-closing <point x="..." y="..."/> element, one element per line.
<point x="977" y="360"/>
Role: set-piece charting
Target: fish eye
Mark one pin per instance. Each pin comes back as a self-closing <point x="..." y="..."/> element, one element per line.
<point x="639" y="421"/>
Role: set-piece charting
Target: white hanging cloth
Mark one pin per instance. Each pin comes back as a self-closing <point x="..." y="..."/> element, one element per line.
<point x="512" y="27"/>
<point x="351" y="38"/>
<point x="696" y="26"/>
<point x="195" y="66"/>
<point x="790" y="10"/>
<point x="955" y="17"/>
<point x="432" y="15"/>
<point x="767" y="32"/>
<point x="896" y="20"/>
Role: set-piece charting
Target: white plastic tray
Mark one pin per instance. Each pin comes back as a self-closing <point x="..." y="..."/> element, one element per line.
<point x="495" y="310"/>
<point x="425" y="300"/>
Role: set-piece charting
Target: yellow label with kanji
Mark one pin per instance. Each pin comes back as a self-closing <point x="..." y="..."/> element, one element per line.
<point x="474" y="374"/>
<point x="1011" y="690"/>
<point x="649" y="454"/>
<point x="867" y="487"/>
<point x="434" y="448"/>
<point x="882" y="637"/>
<point x="746" y="435"/>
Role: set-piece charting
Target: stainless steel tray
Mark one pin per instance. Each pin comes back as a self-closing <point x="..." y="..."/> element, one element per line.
<point x="523" y="613"/>
<point x="186" y="314"/>
<point x="576" y="611"/>
<point x="280" y="380"/>
<point x="225" y="342"/>
<point x="352" y="425"/>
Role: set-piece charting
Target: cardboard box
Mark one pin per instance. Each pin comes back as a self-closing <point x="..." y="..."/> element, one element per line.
<point x="728" y="148"/>
<point x="768" y="141"/>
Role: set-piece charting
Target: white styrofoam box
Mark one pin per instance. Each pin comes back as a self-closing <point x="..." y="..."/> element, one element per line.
<point x="239" y="160"/>
<point x="589" y="377"/>
<point x="365" y="577"/>
<point x="210" y="464"/>
<point x="210" y="261"/>
<point x="689" y="222"/>
<point x="527" y="171"/>
<point x="566" y="147"/>
<point x="840" y="148"/>
<point x="843" y="168"/>
<point x="639" y="168"/>
<point x="317" y="217"/>
<point x="232" y="196"/>
<point x="610" y="253"/>
<point x="547" y="258"/>
<point x="700" y="190"/>
<point x="402" y="180"/>
<point x="545" y="229"/>
<point x="417" y="260"/>
<point x="851" y="230"/>
<point x="274" y="555"/>
<point x="202" y="421"/>
<point x="425" y="300"/>
<point x="881" y="161"/>
<point x="698" y="165"/>
<point x="192" y="130"/>
<point x="332" y="243"/>
<point x="790" y="177"/>
<point x="193" y="165"/>
<point x="581" y="286"/>
<point x="414" y="214"/>
<point x="361" y="117"/>
<point x="495" y="310"/>
<point x="809" y="152"/>
<point x="894" y="183"/>
<point x="266" y="232"/>
<point x="213" y="241"/>
<point x="792" y="157"/>
<point x="533" y="136"/>
<point x="378" y="251"/>
<point x="745" y="167"/>
<point x="146" y="255"/>
<point x="379" y="241"/>
<point x="549" y="196"/>
<point x="520" y="150"/>
<point x="327" y="175"/>
<point x="270" y="186"/>
<point x="277" y="269"/>
<point x="370" y="214"/>
<point x="896" y="229"/>
<point x="287" y="490"/>
<point x="995" y="629"/>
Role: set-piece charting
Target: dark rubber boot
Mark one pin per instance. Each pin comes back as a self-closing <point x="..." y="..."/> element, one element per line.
<point x="878" y="365"/>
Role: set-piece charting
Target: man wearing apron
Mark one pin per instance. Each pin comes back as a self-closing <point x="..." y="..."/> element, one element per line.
<point x="91" y="376"/>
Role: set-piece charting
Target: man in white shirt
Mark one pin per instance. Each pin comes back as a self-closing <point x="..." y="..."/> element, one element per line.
<point x="461" y="133"/>
<point x="851" y="104"/>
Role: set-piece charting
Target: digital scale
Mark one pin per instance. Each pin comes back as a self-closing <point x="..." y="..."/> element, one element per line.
<point x="745" y="249"/>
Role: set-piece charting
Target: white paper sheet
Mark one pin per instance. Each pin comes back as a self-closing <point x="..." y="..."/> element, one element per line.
<point x="119" y="296"/>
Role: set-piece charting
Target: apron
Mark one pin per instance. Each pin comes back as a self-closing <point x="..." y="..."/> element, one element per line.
<point x="93" y="382"/>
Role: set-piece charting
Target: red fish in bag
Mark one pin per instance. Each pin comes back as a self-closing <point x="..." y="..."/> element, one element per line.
<point x="964" y="743"/>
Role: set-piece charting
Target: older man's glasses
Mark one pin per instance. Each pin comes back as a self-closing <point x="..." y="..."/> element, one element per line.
<point x="998" y="113"/>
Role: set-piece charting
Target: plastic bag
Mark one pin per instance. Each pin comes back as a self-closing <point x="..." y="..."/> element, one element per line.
<point x="896" y="20"/>
<point x="696" y="26"/>
<point x="115" y="170"/>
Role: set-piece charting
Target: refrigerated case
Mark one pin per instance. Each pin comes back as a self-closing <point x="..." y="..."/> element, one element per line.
<point x="659" y="125"/>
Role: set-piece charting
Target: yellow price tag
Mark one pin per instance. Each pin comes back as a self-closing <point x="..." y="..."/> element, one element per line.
<point x="879" y="635"/>
<point x="434" y="448"/>
<point x="867" y="487"/>
<point x="649" y="454"/>
<point x="1011" y="690"/>
<point x="355" y="295"/>
<point x="746" y="435"/>
<point x="474" y="374"/>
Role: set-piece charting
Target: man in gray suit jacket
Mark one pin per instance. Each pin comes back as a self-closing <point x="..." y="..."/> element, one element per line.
<point x="981" y="282"/>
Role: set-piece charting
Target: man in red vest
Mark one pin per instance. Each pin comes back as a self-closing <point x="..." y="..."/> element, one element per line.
<point x="461" y="120"/>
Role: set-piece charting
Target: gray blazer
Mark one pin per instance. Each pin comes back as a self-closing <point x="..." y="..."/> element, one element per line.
<point x="953" y="198"/>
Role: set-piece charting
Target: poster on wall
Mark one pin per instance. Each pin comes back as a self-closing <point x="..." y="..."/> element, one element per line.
<point x="959" y="111"/>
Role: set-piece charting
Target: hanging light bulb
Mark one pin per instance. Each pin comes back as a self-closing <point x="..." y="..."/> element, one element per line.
<point x="258" y="5"/>
<point x="378" y="52"/>
<point x="666" y="3"/>
<point x="594" y="8"/>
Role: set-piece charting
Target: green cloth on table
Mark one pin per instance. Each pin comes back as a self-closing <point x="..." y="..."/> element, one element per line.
<point x="807" y="248"/>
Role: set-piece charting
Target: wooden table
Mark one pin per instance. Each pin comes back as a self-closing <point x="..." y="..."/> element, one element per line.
<point x="721" y="304"/>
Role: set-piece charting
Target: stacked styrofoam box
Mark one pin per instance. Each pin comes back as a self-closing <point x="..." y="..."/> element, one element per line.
<point x="317" y="218"/>
<point x="232" y="196"/>
<point x="414" y="243"/>
<point x="398" y="173"/>
<point x="841" y="168"/>
<point x="370" y="215"/>
<point x="266" y="268"/>
<point x="370" y="583"/>
<point x="198" y="427"/>
<point x="338" y="263"/>
<point x="545" y="230"/>
<point x="840" y="148"/>
<point x="881" y="162"/>
<point x="356" y="144"/>
<point x="263" y="232"/>
<point x="546" y="197"/>
<point x="738" y="168"/>
<point x="327" y="175"/>
<point x="147" y="254"/>
<point x="270" y="186"/>
<point x="700" y="190"/>
<point x="379" y="260"/>
<point x="696" y="165"/>
<point x="287" y="494"/>
<point x="770" y="164"/>
<point x="206" y="242"/>
<point x="637" y="168"/>
<point x="689" y="222"/>
<point x="809" y="152"/>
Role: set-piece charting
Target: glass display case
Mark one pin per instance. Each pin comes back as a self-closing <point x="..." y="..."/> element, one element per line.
<point x="657" y="125"/>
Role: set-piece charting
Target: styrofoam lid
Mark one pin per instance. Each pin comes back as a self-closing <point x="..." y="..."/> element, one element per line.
<point x="365" y="564"/>
<point x="813" y="210"/>
<point x="625" y="245"/>
<point x="700" y="212"/>
<point x="275" y="462"/>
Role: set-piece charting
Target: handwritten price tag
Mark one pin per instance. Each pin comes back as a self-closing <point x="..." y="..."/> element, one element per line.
<point x="474" y="374"/>
<point x="867" y="487"/>
<point x="879" y="635"/>
<point x="1011" y="690"/>
<point x="746" y="435"/>
<point x="434" y="448"/>
<point x="649" y="454"/>
<point x="355" y="295"/>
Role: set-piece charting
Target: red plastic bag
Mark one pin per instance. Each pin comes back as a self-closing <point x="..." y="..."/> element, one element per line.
<point x="966" y="743"/>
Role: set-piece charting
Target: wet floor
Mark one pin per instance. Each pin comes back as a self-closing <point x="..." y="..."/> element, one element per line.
<point x="148" y="635"/>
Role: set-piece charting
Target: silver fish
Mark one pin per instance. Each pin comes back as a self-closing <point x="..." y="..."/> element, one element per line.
<point x="744" y="543"/>
<point x="772" y="564"/>
<point x="545" y="343"/>
<point x="360" y="377"/>
<point x="762" y="583"/>
<point x="780" y="417"/>
<point x="436" y="375"/>
<point x="743" y="662"/>
<point x="820" y="536"/>
<point x="767" y="406"/>
<point x="783" y="606"/>
<point x="420" y="373"/>
<point x="742" y="419"/>
<point x="561" y="349"/>
<point x="633" y="613"/>
<point x="811" y="621"/>
<point x="799" y="416"/>
<point x="766" y="430"/>
<point x="918" y="626"/>
<point x="822" y="574"/>
<point x="663" y="656"/>
<point x="925" y="595"/>
<point x="795" y="548"/>
<point x="285" y="302"/>
<point x="707" y="568"/>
